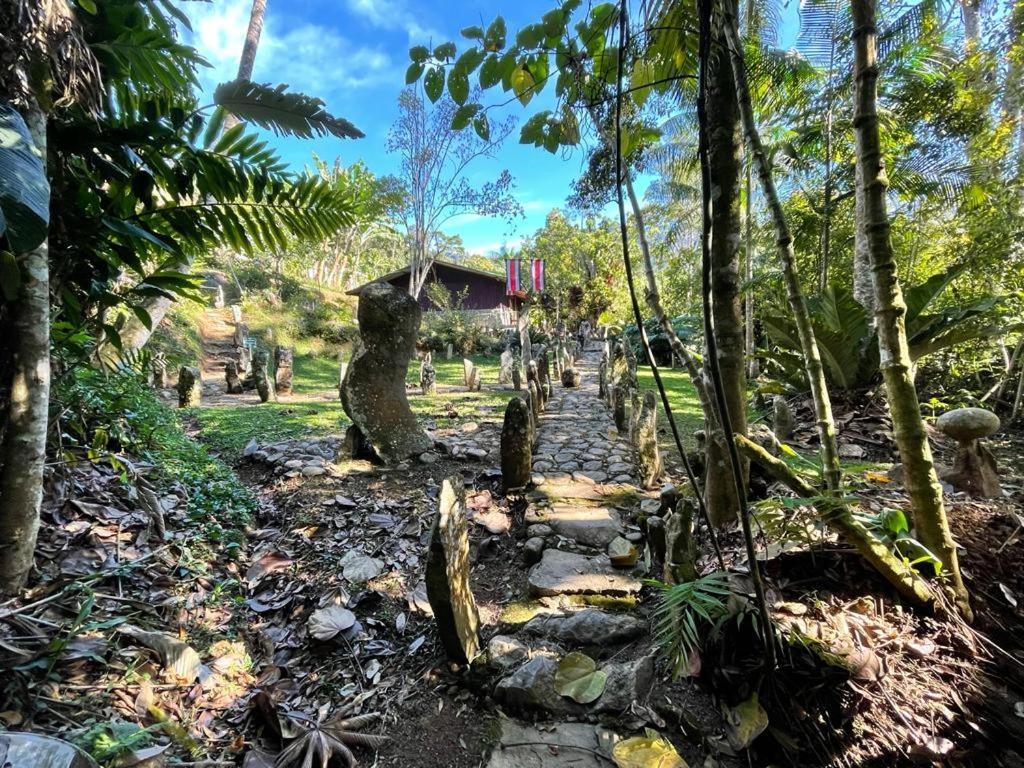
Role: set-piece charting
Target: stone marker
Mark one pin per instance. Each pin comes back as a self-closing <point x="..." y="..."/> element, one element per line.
<point x="535" y="401"/>
<point x="571" y="378"/>
<point x="680" y="548"/>
<point x="782" y="418"/>
<point x="190" y="387"/>
<point x="241" y="334"/>
<point x="467" y="372"/>
<point x="517" y="374"/>
<point x="505" y="368"/>
<point x="264" y="384"/>
<point x="234" y="382"/>
<point x="974" y="469"/>
<point x="648" y="457"/>
<point x="447" y="575"/>
<point x="516" y="445"/>
<point x="373" y="391"/>
<point x="283" y="359"/>
<point x="244" y="361"/>
<point x="158" y="368"/>
<point x="602" y="379"/>
<point x="428" y="378"/>
<point x="619" y="407"/>
<point x="342" y="368"/>
<point x="544" y="374"/>
<point x="449" y="351"/>
<point x="236" y="313"/>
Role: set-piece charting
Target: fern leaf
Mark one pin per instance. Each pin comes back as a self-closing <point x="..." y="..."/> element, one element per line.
<point x="283" y="112"/>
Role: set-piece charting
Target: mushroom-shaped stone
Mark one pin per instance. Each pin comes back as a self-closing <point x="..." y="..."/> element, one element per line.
<point x="974" y="469"/>
<point x="965" y="424"/>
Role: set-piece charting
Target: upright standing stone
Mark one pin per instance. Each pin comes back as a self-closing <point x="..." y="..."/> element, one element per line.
<point x="517" y="374"/>
<point x="523" y="324"/>
<point x="449" y="351"/>
<point x="241" y="334"/>
<point x="467" y="372"/>
<point x="535" y="402"/>
<point x="158" y="368"/>
<point x="244" y="361"/>
<point x="619" y="395"/>
<point x="648" y="457"/>
<point x="231" y="377"/>
<point x="602" y="379"/>
<point x="571" y="378"/>
<point x="782" y="418"/>
<point x="373" y="391"/>
<point x="681" y="549"/>
<point x="264" y="384"/>
<point x="544" y="375"/>
<point x="236" y="313"/>
<point x="190" y="387"/>
<point x="447" y="575"/>
<point x="342" y="368"/>
<point x="218" y="297"/>
<point x="974" y="468"/>
<point x="428" y="378"/>
<point x="283" y="360"/>
<point x="516" y="445"/>
<point x="505" y="369"/>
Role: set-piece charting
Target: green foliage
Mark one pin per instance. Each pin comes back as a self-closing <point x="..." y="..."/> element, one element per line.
<point x="286" y="114"/>
<point x="113" y="739"/>
<point x="451" y="324"/>
<point x="847" y="340"/>
<point x="114" y="417"/>
<point x="687" y="613"/>
<point x="24" y="189"/>
<point x="686" y="327"/>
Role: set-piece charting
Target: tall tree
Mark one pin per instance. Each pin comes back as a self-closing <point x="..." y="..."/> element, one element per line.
<point x="247" y="60"/>
<point x="435" y="162"/>
<point x="920" y="479"/>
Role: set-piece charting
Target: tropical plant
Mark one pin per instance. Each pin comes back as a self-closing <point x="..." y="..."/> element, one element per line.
<point x="848" y="340"/>
<point x="687" y="614"/>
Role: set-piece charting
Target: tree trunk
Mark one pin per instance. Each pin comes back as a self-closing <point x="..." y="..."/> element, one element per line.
<point x="863" y="287"/>
<point x="920" y="480"/>
<point x="784" y="243"/>
<point x="252" y="41"/>
<point x="748" y="275"/>
<point x="725" y="151"/>
<point x="969" y="10"/>
<point x="23" y="446"/>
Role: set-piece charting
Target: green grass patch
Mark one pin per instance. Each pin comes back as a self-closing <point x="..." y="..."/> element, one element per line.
<point x="685" y="405"/>
<point x="226" y="429"/>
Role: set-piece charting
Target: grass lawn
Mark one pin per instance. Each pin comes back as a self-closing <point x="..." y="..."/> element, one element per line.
<point x="314" y="410"/>
<point x="685" y="406"/>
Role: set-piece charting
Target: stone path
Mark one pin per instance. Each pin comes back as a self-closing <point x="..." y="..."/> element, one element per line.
<point x="577" y="437"/>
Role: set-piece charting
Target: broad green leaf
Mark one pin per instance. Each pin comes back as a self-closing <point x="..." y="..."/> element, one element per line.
<point x="463" y="115"/>
<point x="648" y="751"/>
<point x="522" y="85"/>
<point x="602" y="16"/>
<point x="482" y="127"/>
<point x="469" y="60"/>
<point x="24" y="187"/>
<point x="490" y="72"/>
<point x="285" y="113"/>
<point x="433" y="83"/>
<point x="554" y="22"/>
<point x="578" y="678"/>
<point x="745" y="722"/>
<point x="458" y="85"/>
<point x="472" y="33"/>
<point x="494" y="39"/>
<point x="445" y="51"/>
<point x="419" y="53"/>
<point x="130" y="229"/>
<point x="412" y="74"/>
<point x="530" y="36"/>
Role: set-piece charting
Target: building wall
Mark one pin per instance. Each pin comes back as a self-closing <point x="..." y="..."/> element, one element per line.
<point x="484" y="293"/>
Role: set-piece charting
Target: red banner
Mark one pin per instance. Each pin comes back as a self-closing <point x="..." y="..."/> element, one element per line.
<point x="512" y="276"/>
<point x="537" y="275"/>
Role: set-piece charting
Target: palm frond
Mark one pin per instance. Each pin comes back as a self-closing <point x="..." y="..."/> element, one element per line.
<point x="283" y="112"/>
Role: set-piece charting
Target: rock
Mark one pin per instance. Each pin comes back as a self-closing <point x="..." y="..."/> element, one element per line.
<point x="505" y="368"/>
<point x="532" y="687"/>
<point x="571" y="378"/>
<point x="447" y="575"/>
<point x="283" y="359"/>
<point x="656" y="538"/>
<point x="264" y="385"/>
<point x="628" y="682"/>
<point x="851" y="451"/>
<point x="533" y="549"/>
<point x="648" y="457"/>
<point x="552" y="745"/>
<point x="568" y="573"/>
<point x="622" y="553"/>
<point x="359" y="568"/>
<point x="428" y="458"/>
<point x="619" y="397"/>
<point x="589" y="628"/>
<point x="506" y="652"/>
<point x="31" y="750"/>
<point x="535" y="401"/>
<point x="476" y="454"/>
<point x="313" y="470"/>
<point x="250" y="448"/>
<point x="516" y="445"/>
<point x="373" y="391"/>
<point x="493" y="520"/>
<point x="965" y="424"/>
<point x="680" y="548"/>
<point x="190" y="387"/>
<point x="782" y="418"/>
<point x="591" y="526"/>
<point x="539" y="529"/>
<point x="517" y="374"/>
<point x="231" y="378"/>
<point x="468" y="372"/>
<point x="428" y="379"/>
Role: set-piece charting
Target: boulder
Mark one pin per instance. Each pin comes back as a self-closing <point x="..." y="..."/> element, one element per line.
<point x="190" y="387"/>
<point x="628" y="682"/>
<point x="965" y="424"/>
<point x="571" y="378"/>
<point x="447" y="575"/>
<point x="516" y="445"/>
<point x="373" y="391"/>
<point x="506" y="652"/>
<point x="589" y="628"/>
<point x="532" y="687"/>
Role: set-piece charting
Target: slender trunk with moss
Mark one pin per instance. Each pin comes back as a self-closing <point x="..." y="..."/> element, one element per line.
<point x="23" y="445"/>
<point x="725" y="151"/>
<point x="784" y="243"/>
<point x="920" y="480"/>
<point x="748" y="274"/>
<point x="863" y="289"/>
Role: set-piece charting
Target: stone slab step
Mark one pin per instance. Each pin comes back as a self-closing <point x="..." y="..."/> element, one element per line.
<point x="590" y="526"/>
<point x="568" y="573"/>
<point x="552" y="745"/>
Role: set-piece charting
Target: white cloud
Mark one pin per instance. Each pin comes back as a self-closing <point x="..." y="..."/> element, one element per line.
<point x="311" y="58"/>
<point x="393" y="14"/>
<point x="486" y="249"/>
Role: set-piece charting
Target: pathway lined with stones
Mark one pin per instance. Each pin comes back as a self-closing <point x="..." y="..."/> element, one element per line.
<point x="576" y="435"/>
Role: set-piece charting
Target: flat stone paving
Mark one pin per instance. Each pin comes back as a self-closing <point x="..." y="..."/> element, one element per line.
<point x="577" y="436"/>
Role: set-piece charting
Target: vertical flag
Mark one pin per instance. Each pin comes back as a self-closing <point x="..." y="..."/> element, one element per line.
<point x="537" y="275"/>
<point x="511" y="276"/>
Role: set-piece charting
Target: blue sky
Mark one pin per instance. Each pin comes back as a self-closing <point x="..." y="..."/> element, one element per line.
<point x="353" y="54"/>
